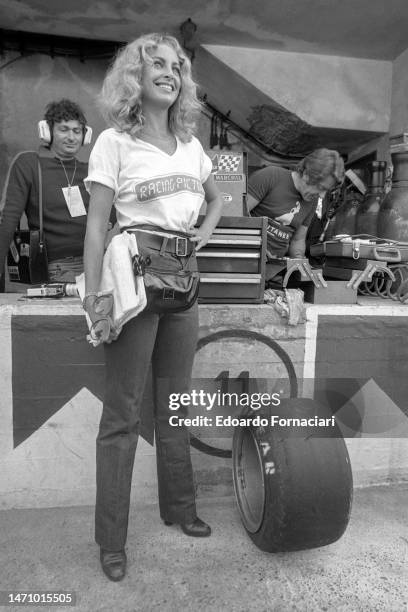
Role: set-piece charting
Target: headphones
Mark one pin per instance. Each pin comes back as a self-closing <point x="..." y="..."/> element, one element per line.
<point x="45" y="134"/>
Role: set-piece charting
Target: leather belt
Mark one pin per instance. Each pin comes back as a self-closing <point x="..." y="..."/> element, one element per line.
<point x="179" y="245"/>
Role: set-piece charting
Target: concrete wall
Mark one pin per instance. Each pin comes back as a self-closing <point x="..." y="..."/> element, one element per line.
<point x="324" y="91"/>
<point x="51" y="385"/>
<point x="398" y="112"/>
<point x="349" y="91"/>
<point x="29" y="83"/>
<point x="399" y="103"/>
<point x="50" y="401"/>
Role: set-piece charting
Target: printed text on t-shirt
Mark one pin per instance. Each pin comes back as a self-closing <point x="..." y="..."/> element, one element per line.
<point x="163" y="186"/>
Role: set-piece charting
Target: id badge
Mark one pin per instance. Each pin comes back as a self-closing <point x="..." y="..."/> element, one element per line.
<point x="73" y="199"/>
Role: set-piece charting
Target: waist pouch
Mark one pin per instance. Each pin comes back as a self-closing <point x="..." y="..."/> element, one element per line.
<point x="169" y="270"/>
<point x="278" y="237"/>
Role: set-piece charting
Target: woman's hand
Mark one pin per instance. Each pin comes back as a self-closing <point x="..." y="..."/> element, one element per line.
<point x="99" y="309"/>
<point x="100" y="330"/>
<point x="200" y="236"/>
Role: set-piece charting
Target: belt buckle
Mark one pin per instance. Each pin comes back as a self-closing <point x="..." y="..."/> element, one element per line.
<point x="181" y="246"/>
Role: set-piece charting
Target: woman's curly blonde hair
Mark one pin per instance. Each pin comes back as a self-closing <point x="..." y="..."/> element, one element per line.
<point x="120" y="98"/>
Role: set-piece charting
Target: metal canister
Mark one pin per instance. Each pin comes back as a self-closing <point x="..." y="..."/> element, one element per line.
<point x="393" y="214"/>
<point x="367" y="213"/>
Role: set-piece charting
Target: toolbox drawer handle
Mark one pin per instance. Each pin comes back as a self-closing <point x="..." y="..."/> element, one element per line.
<point x="235" y="231"/>
<point x="235" y="281"/>
<point x="227" y="241"/>
<point x="227" y="255"/>
<point x="386" y="254"/>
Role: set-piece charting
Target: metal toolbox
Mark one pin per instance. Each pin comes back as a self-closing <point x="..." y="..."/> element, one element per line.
<point x="232" y="264"/>
<point x="228" y="261"/>
<point x="224" y="288"/>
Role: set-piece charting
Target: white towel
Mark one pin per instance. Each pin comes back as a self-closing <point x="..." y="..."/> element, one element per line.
<point x="118" y="278"/>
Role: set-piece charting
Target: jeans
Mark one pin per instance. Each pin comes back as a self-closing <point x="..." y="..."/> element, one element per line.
<point x="169" y="342"/>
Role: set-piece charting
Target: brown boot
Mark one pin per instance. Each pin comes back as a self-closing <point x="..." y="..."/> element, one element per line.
<point x="113" y="564"/>
<point x="196" y="529"/>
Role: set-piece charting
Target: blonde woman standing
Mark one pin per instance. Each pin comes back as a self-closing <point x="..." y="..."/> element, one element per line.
<point x="154" y="171"/>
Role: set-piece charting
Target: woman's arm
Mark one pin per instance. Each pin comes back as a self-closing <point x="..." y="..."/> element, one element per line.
<point x="202" y="234"/>
<point x="98" y="217"/>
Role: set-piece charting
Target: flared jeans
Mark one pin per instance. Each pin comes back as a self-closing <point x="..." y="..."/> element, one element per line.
<point x="168" y="342"/>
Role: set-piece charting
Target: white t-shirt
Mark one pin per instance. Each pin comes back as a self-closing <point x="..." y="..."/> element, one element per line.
<point x="150" y="186"/>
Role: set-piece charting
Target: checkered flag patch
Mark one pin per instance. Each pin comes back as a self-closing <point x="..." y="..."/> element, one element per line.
<point x="228" y="163"/>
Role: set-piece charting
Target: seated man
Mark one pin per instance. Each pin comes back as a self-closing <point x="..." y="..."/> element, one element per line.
<point x="65" y="199"/>
<point x="289" y="199"/>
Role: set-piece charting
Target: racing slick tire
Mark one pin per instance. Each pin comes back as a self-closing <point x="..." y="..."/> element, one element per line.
<point x="293" y="484"/>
